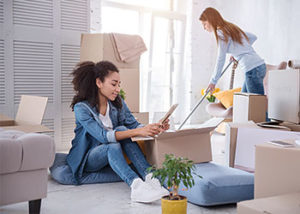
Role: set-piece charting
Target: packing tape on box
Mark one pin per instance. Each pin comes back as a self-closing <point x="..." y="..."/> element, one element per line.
<point x="294" y="64"/>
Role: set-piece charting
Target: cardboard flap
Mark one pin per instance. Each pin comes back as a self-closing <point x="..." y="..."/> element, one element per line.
<point x="247" y="94"/>
<point x="28" y="128"/>
<point x="6" y="121"/>
<point x="31" y="110"/>
<point x="184" y="132"/>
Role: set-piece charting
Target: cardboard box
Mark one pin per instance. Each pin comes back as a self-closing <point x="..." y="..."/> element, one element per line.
<point x="277" y="170"/>
<point x="231" y="130"/>
<point x="249" y="138"/>
<point x="284" y="95"/>
<point x="142" y="117"/>
<point x="130" y="83"/>
<point x="97" y="47"/>
<point x="283" y="204"/>
<point x="247" y="106"/>
<point x="29" y="116"/>
<point x="193" y="144"/>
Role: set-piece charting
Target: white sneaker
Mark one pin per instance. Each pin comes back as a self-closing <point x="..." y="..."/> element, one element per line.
<point x="144" y="192"/>
<point x="155" y="183"/>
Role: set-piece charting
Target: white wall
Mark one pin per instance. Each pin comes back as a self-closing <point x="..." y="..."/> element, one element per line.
<point x="276" y="24"/>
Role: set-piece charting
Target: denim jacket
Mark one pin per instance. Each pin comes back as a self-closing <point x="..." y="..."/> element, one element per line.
<point x="90" y="132"/>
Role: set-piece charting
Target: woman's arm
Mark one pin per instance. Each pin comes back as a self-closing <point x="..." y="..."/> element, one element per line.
<point x="88" y="122"/>
<point x="222" y="49"/>
<point x="148" y="130"/>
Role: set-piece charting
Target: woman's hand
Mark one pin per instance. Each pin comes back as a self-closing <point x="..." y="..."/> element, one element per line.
<point x="210" y="87"/>
<point x="150" y="130"/>
<point x="165" y="125"/>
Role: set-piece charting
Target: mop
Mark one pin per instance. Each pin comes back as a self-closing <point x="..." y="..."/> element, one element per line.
<point x="206" y="93"/>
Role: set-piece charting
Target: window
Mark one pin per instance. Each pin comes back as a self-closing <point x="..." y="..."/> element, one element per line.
<point x="163" y="31"/>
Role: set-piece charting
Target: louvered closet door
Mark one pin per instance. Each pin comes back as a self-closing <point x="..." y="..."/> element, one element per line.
<point x="39" y="47"/>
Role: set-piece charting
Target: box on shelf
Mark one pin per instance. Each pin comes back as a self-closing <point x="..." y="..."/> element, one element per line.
<point x="99" y="46"/>
<point x="29" y="116"/>
<point x="277" y="170"/>
<point x="247" y="106"/>
<point x="282" y="204"/>
<point x="141" y="117"/>
<point x="193" y="144"/>
<point x="284" y="95"/>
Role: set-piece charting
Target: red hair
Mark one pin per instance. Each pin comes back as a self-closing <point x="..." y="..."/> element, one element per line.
<point x="218" y="23"/>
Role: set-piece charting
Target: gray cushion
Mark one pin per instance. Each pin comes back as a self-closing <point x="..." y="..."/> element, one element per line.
<point x="219" y="185"/>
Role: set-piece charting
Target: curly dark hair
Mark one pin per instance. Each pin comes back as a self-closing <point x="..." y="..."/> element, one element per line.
<point x="84" y="82"/>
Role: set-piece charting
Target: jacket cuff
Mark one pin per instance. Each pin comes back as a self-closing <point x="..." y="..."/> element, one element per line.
<point x="140" y="126"/>
<point x="111" y="137"/>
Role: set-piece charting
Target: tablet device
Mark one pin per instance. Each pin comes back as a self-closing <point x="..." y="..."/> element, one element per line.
<point x="168" y="114"/>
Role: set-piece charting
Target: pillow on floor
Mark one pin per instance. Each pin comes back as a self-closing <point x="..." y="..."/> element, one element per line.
<point x="61" y="172"/>
<point x="226" y="97"/>
<point x="219" y="185"/>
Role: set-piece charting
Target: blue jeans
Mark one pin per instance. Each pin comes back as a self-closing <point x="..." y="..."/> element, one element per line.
<point x="111" y="154"/>
<point x="254" y="80"/>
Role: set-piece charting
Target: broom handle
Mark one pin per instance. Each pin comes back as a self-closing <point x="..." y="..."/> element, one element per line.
<point x="201" y="100"/>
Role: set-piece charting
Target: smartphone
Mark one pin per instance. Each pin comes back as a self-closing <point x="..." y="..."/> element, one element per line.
<point x="281" y="143"/>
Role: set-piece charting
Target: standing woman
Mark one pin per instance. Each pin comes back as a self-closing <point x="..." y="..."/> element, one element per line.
<point x="233" y="40"/>
<point x="104" y="126"/>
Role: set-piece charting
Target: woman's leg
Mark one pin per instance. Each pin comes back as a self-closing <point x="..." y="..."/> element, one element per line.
<point x="97" y="159"/>
<point x="254" y="80"/>
<point x="110" y="154"/>
<point x="118" y="163"/>
<point x="137" y="157"/>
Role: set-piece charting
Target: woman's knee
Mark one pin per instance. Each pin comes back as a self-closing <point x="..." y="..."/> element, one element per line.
<point x="114" y="146"/>
<point x="121" y="128"/>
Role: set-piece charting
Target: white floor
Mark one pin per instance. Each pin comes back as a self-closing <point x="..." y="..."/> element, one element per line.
<point x="113" y="198"/>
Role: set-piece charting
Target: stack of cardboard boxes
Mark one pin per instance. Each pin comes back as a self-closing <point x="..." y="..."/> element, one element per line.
<point x="277" y="171"/>
<point x="98" y="47"/>
<point x="277" y="186"/>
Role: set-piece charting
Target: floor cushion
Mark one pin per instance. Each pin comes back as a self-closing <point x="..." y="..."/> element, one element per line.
<point x="61" y="172"/>
<point x="219" y="185"/>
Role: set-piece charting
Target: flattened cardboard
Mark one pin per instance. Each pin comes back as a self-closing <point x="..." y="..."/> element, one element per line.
<point x="277" y="170"/>
<point x="141" y="117"/>
<point x="29" y="115"/>
<point x="231" y="137"/>
<point x="249" y="138"/>
<point x="231" y="130"/>
<point x="6" y="121"/>
<point x="282" y="204"/>
<point x="247" y="106"/>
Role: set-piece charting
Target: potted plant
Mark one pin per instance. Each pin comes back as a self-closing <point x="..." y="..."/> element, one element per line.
<point x="211" y="95"/>
<point x="122" y="94"/>
<point x="174" y="170"/>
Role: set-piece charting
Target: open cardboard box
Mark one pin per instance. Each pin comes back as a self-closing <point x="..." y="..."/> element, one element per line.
<point x="29" y="116"/>
<point x="193" y="144"/>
